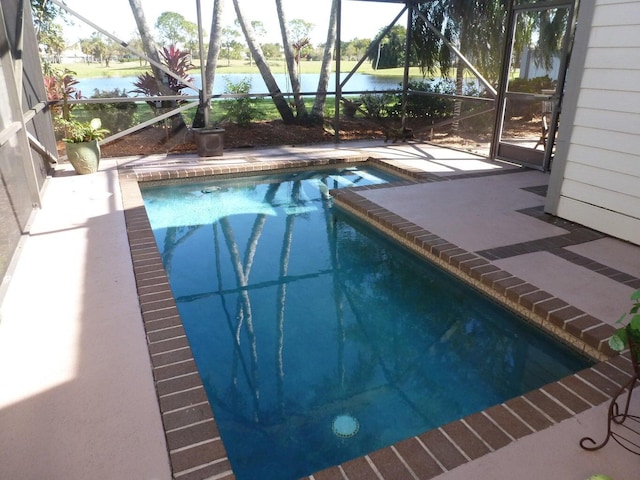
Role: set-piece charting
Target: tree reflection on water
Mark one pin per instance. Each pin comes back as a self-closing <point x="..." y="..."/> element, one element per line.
<point x="296" y="314"/>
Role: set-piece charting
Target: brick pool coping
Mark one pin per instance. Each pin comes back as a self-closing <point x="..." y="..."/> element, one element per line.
<point x="195" y="448"/>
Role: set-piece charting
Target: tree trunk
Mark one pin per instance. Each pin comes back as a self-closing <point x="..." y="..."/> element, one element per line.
<point x="317" y="112"/>
<point x="301" y="109"/>
<point x="256" y="51"/>
<point x="148" y="45"/>
<point x="209" y="71"/>
<point x="151" y="50"/>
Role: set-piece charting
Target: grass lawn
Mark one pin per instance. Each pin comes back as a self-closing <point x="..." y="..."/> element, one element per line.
<point x="127" y="69"/>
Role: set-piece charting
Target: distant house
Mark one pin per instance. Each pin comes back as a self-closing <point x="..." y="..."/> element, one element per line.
<point x="529" y="69"/>
<point x="74" y="54"/>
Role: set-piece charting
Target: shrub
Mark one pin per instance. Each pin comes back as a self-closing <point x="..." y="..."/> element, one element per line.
<point x="115" y="116"/>
<point x="240" y="110"/>
<point x="527" y="110"/>
<point x="430" y="106"/>
<point x="380" y="105"/>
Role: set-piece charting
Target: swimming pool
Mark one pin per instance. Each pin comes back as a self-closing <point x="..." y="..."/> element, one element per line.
<point x="320" y="340"/>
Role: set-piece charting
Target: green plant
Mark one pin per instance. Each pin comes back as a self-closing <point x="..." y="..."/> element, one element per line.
<point x="115" y="116"/>
<point x="241" y="110"/>
<point x="430" y="106"/>
<point x="77" y="132"/>
<point x="383" y="105"/>
<point x="60" y="86"/>
<point x="629" y="333"/>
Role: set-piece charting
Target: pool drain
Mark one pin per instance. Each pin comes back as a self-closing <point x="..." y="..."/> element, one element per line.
<point x="345" y="426"/>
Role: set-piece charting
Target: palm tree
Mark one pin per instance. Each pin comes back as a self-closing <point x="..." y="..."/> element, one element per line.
<point x="211" y="63"/>
<point x="149" y="46"/>
<point x="256" y="52"/>
<point x="290" y="58"/>
<point x="151" y="51"/>
<point x="317" y="112"/>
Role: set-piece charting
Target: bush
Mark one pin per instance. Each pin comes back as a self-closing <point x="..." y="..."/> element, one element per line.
<point x="380" y="105"/>
<point x="527" y="110"/>
<point x="114" y="116"/>
<point x="239" y="110"/>
<point x="430" y="106"/>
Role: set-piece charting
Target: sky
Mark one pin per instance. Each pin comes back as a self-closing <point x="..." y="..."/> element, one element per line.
<point x="360" y="19"/>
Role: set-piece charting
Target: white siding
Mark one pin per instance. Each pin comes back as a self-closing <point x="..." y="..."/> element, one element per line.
<point x="600" y="175"/>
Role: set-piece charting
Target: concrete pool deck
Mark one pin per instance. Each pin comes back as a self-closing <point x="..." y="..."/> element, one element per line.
<point x="78" y="397"/>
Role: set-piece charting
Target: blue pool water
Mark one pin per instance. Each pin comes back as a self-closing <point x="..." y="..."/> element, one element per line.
<point x="318" y="340"/>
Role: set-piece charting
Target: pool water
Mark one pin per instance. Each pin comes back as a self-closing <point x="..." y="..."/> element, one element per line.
<point x="317" y="339"/>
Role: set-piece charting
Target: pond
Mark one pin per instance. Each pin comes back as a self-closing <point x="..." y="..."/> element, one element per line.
<point x="308" y="81"/>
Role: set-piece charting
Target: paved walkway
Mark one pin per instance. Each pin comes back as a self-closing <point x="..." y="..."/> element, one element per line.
<point x="78" y="398"/>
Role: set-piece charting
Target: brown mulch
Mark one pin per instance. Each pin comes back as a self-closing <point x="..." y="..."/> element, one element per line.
<point x="256" y="135"/>
<point x="158" y="139"/>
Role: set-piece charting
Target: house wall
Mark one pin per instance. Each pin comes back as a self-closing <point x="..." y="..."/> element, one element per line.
<point x="595" y="177"/>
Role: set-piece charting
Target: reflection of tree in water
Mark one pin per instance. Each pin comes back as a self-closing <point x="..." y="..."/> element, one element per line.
<point x="174" y="237"/>
<point x="373" y="280"/>
<point x="368" y="365"/>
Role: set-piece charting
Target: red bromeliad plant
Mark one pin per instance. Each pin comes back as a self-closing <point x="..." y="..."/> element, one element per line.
<point x="178" y="62"/>
<point x="61" y="86"/>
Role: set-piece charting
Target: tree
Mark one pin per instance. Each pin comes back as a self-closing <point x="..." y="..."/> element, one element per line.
<point x="391" y="50"/>
<point x="292" y="44"/>
<point x="98" y="48"/>
<point x="477" y="28"/>
<point x="211" y="63"/>
<point x="149" y="46"/>
<point x="48" y="31"/>
<point x="228" y="41"/>
<point x="354" y="49"/>
<point x="317" y="112"/>
<point x="272" y="50"/>
<point x="45" y="15"/>
<point x="53" y="41"/>
<point x="136" y="44"/>
<point x="300" y="31"/>
<point x="151" y="51"/>
<point x="256" y="51"/>
<point x="174" y="29"/>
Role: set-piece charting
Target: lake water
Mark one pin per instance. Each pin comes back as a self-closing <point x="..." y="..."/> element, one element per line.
<point x="309" y="83"/>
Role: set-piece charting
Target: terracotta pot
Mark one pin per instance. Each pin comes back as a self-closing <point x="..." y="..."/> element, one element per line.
<point x="84" y="156"/>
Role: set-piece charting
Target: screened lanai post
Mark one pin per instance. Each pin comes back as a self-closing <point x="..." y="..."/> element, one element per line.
<point x="19" y="47"/>
<point x="336" y="114"/>
<point x="556" y="105"/>
<point x="202" y="93"/>
<point x="503" y="80"/>
<point x="405" y="77"/>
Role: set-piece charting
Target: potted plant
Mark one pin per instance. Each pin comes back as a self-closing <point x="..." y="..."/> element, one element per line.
<point x="81" y="139"/>
<point x="628" y="336"/>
